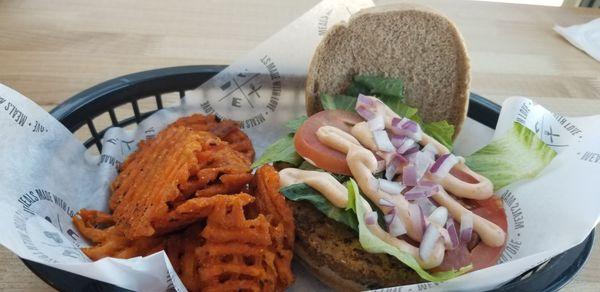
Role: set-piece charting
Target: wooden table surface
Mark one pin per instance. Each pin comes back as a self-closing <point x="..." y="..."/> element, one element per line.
<point x="50" y="50"/>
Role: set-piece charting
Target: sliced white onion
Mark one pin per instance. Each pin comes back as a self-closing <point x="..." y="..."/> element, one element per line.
<point x="452" y="232"/>
<point x="407" y="144"/>
<point x="376" y="123"/>
<point x="439" y="216"/>
<point x="409" y="175"/>
<point x="383" y="141"/>
<point x="443" y="165"/>
<point x="396" y="227"/>
<point x="386" y="202"/>
<point x="371" y="218"/>
<point x="390" y="187"/>
<point x="466" y="226"/>
<point x="429" y="239"/>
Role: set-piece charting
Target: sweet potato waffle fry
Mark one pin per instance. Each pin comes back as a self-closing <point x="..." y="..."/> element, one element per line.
<point x="227" y="130"/>
<point x="236" y="252"/>
<point x="148" y="181"/>
<point x="265" y="187"/>
<point x="186" y="192"/>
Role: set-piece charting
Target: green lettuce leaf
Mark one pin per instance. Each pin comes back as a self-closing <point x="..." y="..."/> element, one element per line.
<point x="293" y="125"/>
<point x="373" y="244"/>
<point x="442" y="131"/>
<point x="281" y="150"/>
<point x="303" y="192"/>
<point x="341" y="102"/>
<point x="402" y="109"/>
<point x="518" y="155"/>
<point x="379" y="86"/>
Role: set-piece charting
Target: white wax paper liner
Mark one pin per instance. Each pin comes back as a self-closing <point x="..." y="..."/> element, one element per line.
<point x="46" y="175"/>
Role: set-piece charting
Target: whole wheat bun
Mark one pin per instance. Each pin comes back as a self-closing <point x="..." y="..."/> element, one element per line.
<point x="409" y="42"/>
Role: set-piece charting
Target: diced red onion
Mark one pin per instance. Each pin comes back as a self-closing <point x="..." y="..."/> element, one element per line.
<point x="365" y="112"/>
<point x="426" y="206"/>
<point x="392" y="166"/>
<point x="414" y="213"/>
<point x="443" y="165"/>
<point x="409" y="175"/>
<point x="390" y="187"/>
<point x="423" y="161"/>
<point x="411" y="150"/>
<point x="439" y="216"/>
<point x="380" y="166"/>
<point x="383" y="141"/>
<point x="410" y="125"/>
<point x="365" y="100"/>
<point x="376" y="123"/>
<point x="431" y="150"/>
<point x="429" y="239"/>
<point x="452" y="232"/>
<point x="398" y="140"/>
<point x="407" y="144"/>
<point x="396" y="227"/>
<point x="386" y="202"/>
<point x="417" y="192"/>
<point x="371" y="218"/>
<point x="423" y="221"/>
<point x="406" y="127"/>
<point x="389" y="216"/>
<point x="466" y="226"/>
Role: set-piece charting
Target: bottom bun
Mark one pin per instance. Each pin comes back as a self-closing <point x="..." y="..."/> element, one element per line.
<point x="331" y="251"/>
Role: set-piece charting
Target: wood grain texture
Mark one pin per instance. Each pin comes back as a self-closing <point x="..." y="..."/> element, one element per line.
<point x="50" y="50"/>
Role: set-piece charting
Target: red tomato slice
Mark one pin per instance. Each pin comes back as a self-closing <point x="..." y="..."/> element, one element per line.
<point x="308" y="145"/>
<point x="481" y="256"/>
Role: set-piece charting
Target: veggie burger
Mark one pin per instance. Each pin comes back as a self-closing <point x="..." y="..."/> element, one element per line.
<point x="378" y="197"/>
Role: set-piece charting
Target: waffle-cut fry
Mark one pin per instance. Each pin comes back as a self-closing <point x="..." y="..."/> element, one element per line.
<point x="271" y="203"/>
<point x="147" y="184"/>
<point x="236" y="251"/>
<point x="109" y="241"/>
<point x="181" y="250"/>
<point x="227" y="130"/>
<point x="220" y="162"/>
<point x="189" y="212"/>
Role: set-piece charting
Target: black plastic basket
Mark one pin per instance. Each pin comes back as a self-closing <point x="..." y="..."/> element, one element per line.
<point x="80" y="110"/>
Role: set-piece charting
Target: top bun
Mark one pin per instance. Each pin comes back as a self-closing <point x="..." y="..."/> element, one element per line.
<point x="409" y="42"/>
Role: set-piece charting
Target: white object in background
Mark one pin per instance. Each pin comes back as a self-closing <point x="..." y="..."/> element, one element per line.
<point x="585" y="37"/>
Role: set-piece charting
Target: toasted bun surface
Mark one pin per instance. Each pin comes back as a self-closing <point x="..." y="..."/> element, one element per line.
<point x="332" y="252"/>
<point x="408" y="42"/>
